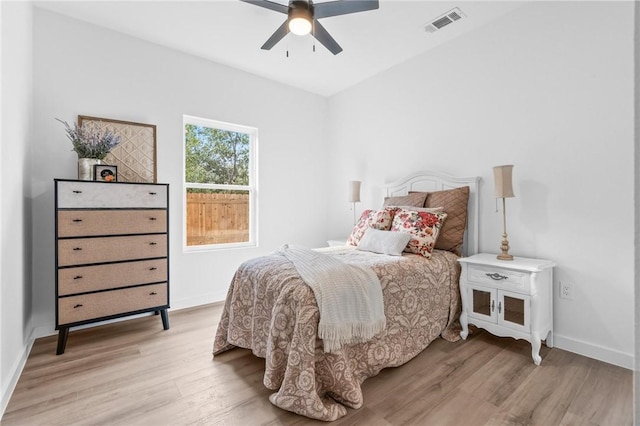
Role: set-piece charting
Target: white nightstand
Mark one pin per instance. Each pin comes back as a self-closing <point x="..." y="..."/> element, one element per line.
<point x="508" y="298"/>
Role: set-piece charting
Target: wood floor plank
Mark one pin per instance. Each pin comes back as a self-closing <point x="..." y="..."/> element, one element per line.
<point x="134" y="373"/>
<point x="604" y="396"/>
<point x="449" y="412"/>
<point x="545" y="395"/>
<point x="503" y="374"/>
<point x="428" y="388"/>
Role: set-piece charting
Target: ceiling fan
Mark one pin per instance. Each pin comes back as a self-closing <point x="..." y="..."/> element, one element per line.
<point x="303" y="15"/>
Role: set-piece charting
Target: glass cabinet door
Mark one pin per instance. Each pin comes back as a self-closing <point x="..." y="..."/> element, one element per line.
<point x="483" y="303"/>
<point x="513" y="311"/>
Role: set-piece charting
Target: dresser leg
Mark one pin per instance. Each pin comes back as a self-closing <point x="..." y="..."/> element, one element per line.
<point x="62" y="340"/>
<point x="535" y="348"/>
<point x="465" y="325"/>
<point x="165" y="319"/>
<point x="549" y="339"/>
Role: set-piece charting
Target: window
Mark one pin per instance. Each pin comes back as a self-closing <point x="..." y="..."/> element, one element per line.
<point x="219" y="184"/>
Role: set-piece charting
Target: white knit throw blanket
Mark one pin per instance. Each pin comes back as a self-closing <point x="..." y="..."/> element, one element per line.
<point x="349" y="297"/>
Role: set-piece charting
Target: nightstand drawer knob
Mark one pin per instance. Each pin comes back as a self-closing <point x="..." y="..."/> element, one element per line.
<point x="153" y="268"/>
<point x="77" y="192"/>
<point x="153" y="293"/>
<point x="77" y="277"/>
<point x="497" y="277"/>
<point x="77" y="220"/>
<point x="77" y="248"/>
<point x="152" y="218"/>
<point x="153" y="243"/>
<point x="79" y="305"/>
<point x="153" y="193"/>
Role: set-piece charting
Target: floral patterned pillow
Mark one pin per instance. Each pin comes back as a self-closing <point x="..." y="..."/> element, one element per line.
<point x="423" y="227"/>
<point x="376" y="219"/>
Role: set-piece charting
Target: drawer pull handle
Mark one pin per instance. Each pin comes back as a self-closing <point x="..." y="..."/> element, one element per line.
<point x="79" y="305"/>
<point x="499" y="307"/>
<point x="77" y="248"/>
<point x="77" y="192"/>
<point x="77" y="220"/>
<point x="77" y="277"/>
<point x="153" y="268"/>
<point x="497" y="277"/>
<point x="153" y="193"/>
<point x="152" y="218"/>
<point x="153" y="293"/>
<point x="153" y="243"/>
<point x="493" y="305"/>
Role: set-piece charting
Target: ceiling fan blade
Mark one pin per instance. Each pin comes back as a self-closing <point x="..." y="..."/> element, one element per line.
<point x="323" y="36"/>
<point x="269" y="5"/>
<point x="335" y="8"/>
<point x="282" y="31"/>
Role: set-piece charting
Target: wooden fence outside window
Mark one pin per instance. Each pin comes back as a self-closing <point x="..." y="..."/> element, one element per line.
<point x="214" y="218"/>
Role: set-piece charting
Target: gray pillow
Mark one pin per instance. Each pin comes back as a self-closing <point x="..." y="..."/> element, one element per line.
<point x="384" y="242"/>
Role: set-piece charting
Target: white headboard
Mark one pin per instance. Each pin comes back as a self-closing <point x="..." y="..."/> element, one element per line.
<point x="427" y="181"/>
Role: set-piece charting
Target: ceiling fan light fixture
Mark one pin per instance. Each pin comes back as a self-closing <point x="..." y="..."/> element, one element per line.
<point x="300" y="17"/>
<point x="300" y="26"/>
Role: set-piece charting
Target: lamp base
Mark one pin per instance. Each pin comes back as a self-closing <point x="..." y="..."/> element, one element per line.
<point x="504" y="246"/>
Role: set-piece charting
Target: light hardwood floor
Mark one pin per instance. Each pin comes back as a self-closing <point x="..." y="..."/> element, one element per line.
<point x="134" y="373"/>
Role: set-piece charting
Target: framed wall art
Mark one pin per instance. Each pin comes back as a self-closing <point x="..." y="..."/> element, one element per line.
<point x="135" y="156"/>
<point x="105" y="173"/>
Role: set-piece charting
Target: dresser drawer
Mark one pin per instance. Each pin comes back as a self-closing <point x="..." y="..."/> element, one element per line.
<point x="79" y="223"/>
<point x="82" y="251"/>
<point x="101" y="277"/>
<point x="499" y="278"/>
<point x="98" y="305"/>
<point x="88" y="194"/>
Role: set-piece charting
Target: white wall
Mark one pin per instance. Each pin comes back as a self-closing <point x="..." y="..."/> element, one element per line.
<point x="82" y="69"/>
<point x="15" y="214"/>
<point x="548" y="88"/>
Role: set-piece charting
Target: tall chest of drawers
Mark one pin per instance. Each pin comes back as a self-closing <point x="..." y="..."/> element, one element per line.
<point x="112" y="258"/>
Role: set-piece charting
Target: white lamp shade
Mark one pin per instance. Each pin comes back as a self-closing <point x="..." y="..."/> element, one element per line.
<point x="354" y="191"/>
<point x="502" y="176"/>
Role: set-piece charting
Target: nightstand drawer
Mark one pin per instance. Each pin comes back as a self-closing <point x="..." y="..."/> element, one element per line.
<point x="79" y="194"/>
<point x="80" y="223"/>
<point x="499" y="277"/>
<point x="103" y="304"/>
<point x="83" y="251"/>
<point x="102" y="277"/>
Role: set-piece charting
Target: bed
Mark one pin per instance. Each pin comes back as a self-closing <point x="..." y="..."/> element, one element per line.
<point x="271" y="311"/>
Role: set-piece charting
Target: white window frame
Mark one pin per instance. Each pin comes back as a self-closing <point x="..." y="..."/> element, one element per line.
<point x="252" y="188"/>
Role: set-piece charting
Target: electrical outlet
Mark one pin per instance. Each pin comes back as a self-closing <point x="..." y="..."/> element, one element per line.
<point x="566" y="290"/>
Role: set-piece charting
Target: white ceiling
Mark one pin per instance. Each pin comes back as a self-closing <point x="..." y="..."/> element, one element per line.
<point x="231" y="32"/>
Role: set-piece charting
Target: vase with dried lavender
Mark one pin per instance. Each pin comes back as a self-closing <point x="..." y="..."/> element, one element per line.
<point x="92" y="144"/>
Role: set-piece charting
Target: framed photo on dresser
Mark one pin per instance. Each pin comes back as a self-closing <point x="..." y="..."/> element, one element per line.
<point x="105" y="173"/>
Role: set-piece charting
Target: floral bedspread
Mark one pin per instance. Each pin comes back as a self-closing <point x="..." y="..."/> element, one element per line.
<point x="271" y="311"/>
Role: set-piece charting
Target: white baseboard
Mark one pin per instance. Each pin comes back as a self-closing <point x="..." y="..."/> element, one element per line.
<point x="191" y="302"/>
<point x="16" y="371"/>
<point x="590" y="350"/>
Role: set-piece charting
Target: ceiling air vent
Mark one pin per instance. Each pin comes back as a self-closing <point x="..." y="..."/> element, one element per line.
<point x="444" y="20"/>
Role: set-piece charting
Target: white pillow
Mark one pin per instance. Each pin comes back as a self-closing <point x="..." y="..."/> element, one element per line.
<point x="384" y="242"/>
